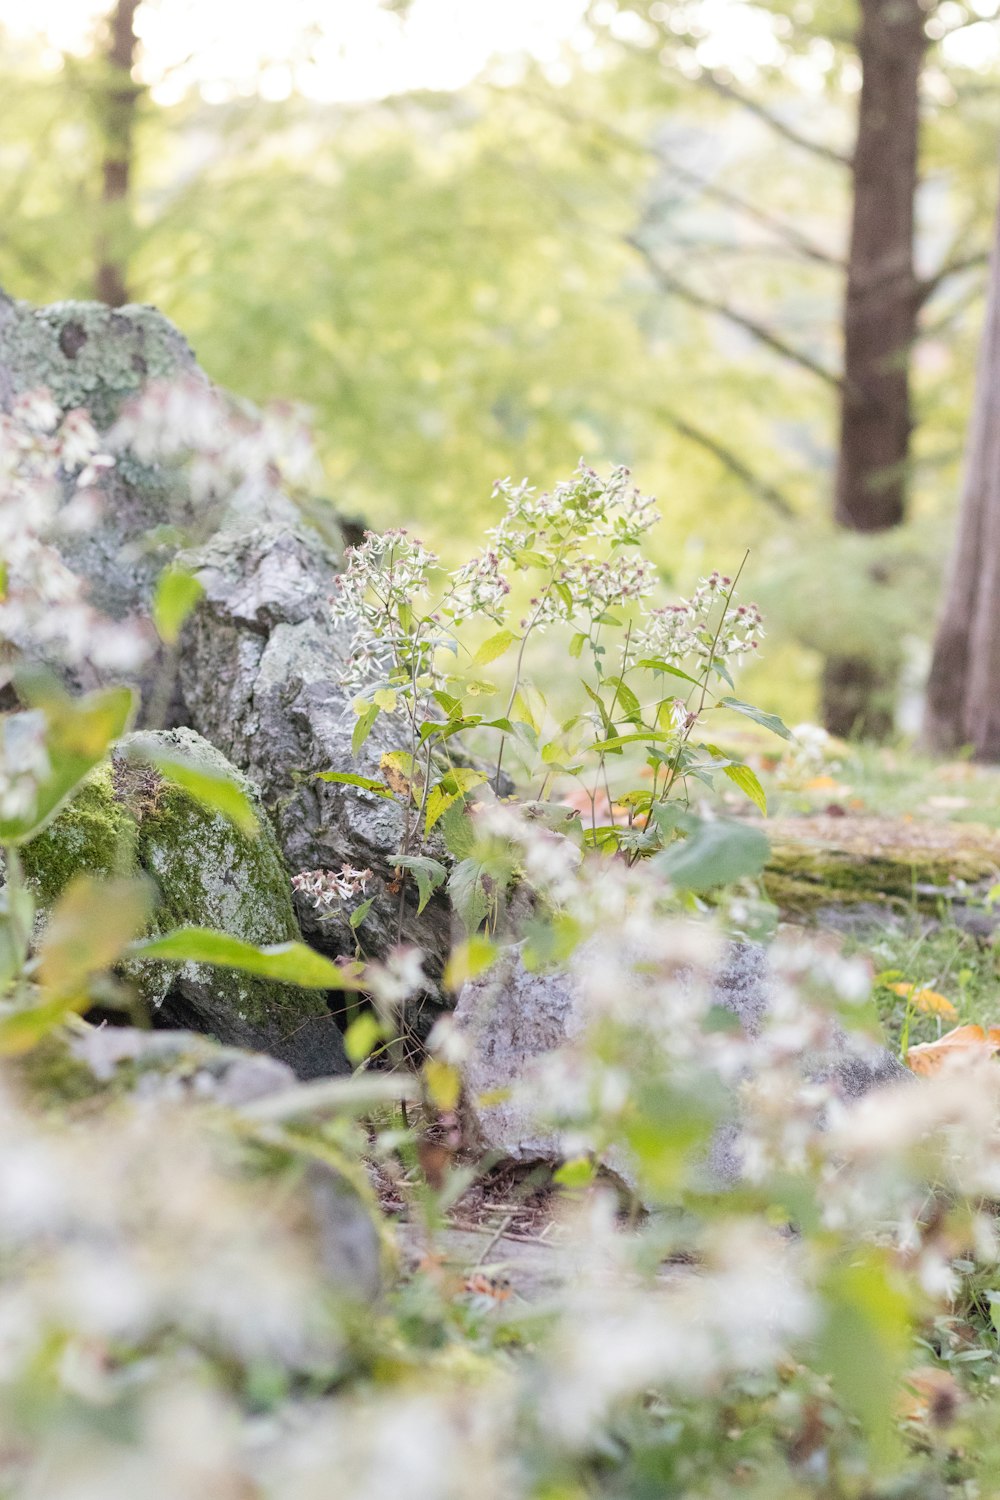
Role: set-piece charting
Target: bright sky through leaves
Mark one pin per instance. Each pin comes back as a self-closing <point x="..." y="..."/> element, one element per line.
<point x="358" y="49"/>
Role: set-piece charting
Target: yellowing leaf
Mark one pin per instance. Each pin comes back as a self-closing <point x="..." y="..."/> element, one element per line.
<point x="468" y="959"/>
<point x="929" y="1001"/>
<point x="386" y="700"/>
<point x="177" y="593"/>
<point x="87" y="931"/>
<point x="494" y="647"/>
<point x="444" y="1084"/>
<point x="401" y="772"/>
<point x="929" y="1057"/>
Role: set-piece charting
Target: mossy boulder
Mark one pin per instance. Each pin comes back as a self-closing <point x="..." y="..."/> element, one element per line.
<point x="826" y="862"/>
<point x="128" y="817"/>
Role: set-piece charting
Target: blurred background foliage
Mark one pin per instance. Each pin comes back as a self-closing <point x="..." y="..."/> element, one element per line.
<point x="634" y="253"/>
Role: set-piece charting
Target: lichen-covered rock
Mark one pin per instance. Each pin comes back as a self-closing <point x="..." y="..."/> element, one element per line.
<point x="175" y="1065"/>
<point x="207" y="873"/>
<point x="510" y="1019"/>
<point x="98" y="1073"/>
<point x="260" y="677"/>
<point x="261" y="661"/>
<point x="821" y="863"/>
<point x="91" y="356"/>
<point x="86" y="354"/>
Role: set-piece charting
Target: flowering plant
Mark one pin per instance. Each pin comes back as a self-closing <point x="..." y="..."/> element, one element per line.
<point x="648" y="674"/>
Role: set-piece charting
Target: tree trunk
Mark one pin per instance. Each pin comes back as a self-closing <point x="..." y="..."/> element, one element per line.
<point x="880" y="314"/>
<point x="117" y="107"/>
<point x="963" y="691"/>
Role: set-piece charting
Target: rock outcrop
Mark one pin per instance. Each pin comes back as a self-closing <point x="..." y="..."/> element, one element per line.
<point x="511" y="1020"/>
<point x="258" y="672"/>
<point x="207" y="873"/>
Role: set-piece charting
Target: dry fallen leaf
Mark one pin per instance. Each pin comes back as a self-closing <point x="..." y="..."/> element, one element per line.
<point x="928" y="1057"/>
<point x="931" y="1397"/>
<point x="497" y="1288"/>
<point x="928" y="1001"/>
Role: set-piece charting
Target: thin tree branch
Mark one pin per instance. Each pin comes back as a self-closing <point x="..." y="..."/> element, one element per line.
<point x="736" y="96"/>
<point x="787" y="232"/>
<point x="758" y="331"/>
<point x="930" y="284"/>
<point x="728" y="459"/>
<point x="611" y="134"/>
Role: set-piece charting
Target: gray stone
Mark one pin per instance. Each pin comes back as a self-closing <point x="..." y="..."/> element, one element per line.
<point x="510" y="1018"/>
<point x="260" y="660"/>
<point x="178" y="1064"/>
<point x="261" y="678"/>
<point x="208" y="874"/>
<point x="182" y="1068"/>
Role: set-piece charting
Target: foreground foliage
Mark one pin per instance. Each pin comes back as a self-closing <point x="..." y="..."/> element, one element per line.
<point x="824" y="1327"/>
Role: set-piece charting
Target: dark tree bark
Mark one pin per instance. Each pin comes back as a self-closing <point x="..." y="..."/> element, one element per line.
<point x="880" y="320"/>
<point x="117" y="108"/>
<point x="963" y="692"/>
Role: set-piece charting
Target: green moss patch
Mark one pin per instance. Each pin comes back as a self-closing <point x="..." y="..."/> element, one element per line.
<point x="828" y="861"/>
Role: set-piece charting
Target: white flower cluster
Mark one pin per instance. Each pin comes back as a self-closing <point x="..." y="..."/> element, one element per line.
<point x="548" y="531"/>
<point x="695" y="628"/>
<point x="396" y="979"/>
<point x="225" y="448"/>
<point x="386" y="581"/>
<point x="50" y="469"/>
<point x="480" y="588"/>
<point x="24" y="762"/>
<point x="327" y="890"/>
<point x="586" y="505"/>
<point x="388" y="571"/>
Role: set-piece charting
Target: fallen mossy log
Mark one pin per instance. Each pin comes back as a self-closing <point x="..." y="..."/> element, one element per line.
<point x="823" y="862"/>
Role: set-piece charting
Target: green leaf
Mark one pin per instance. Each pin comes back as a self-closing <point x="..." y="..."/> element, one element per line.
<point x="177" y="593"/>
<point x="453" y="785"/>
<point x="578" y="1172"/>
<point x="87" y="931"/>
<point x="767" y="721"/>
<point x="428" y="873"/>
<point x="219" y="793"/>
<point x="363" y="728"/>
<point x="864" y="1344"/>
<point x="17" y="916"/>
<point x="79" y="732"/>
<point x="360" y="912"/>
<point x="471" y="888"/>
<point x="596" y="698"/>
<point x="577" y="644"/>
<point x="452" y="706"/>
<point x="366" y="783"/>
<point x="468" y="960"/>
<point x="624" y="698"/>
<point x="495" y="647"/>
<point x="457" y="831"/>
<point x="289" y="963"/>
<point x="749" y="785"/>
<point x="655" y="664"/>
<point x="714" y="854"/>
<point x="647" y="736"/>
<point x="20" y="1030"/>
<point x="362" y="1036"/>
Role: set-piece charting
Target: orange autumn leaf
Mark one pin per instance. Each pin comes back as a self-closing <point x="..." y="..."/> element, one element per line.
<point x="822" y="784"/>
<point x="928" y="1057"/>
<point x="928" y="1001"/>
<point x="930" y="1397"/>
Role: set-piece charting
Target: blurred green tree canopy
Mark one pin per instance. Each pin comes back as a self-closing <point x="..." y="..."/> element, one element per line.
<point x="457" y="285"/>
